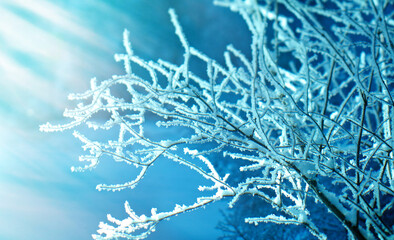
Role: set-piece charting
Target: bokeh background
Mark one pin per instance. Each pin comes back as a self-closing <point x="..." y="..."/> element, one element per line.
<point x="50" y="48"/>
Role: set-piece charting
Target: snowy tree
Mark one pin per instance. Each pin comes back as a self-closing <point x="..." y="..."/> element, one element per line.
<point x="309" y="112"/>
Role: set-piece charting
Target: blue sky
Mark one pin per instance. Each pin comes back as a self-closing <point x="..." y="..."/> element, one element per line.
<point x="49" y="49"/>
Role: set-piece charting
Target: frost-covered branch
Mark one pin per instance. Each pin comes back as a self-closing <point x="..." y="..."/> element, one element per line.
<point x="309" y="112"/>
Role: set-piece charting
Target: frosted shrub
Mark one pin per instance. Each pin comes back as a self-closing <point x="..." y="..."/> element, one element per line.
<point x="309" y="111"/>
